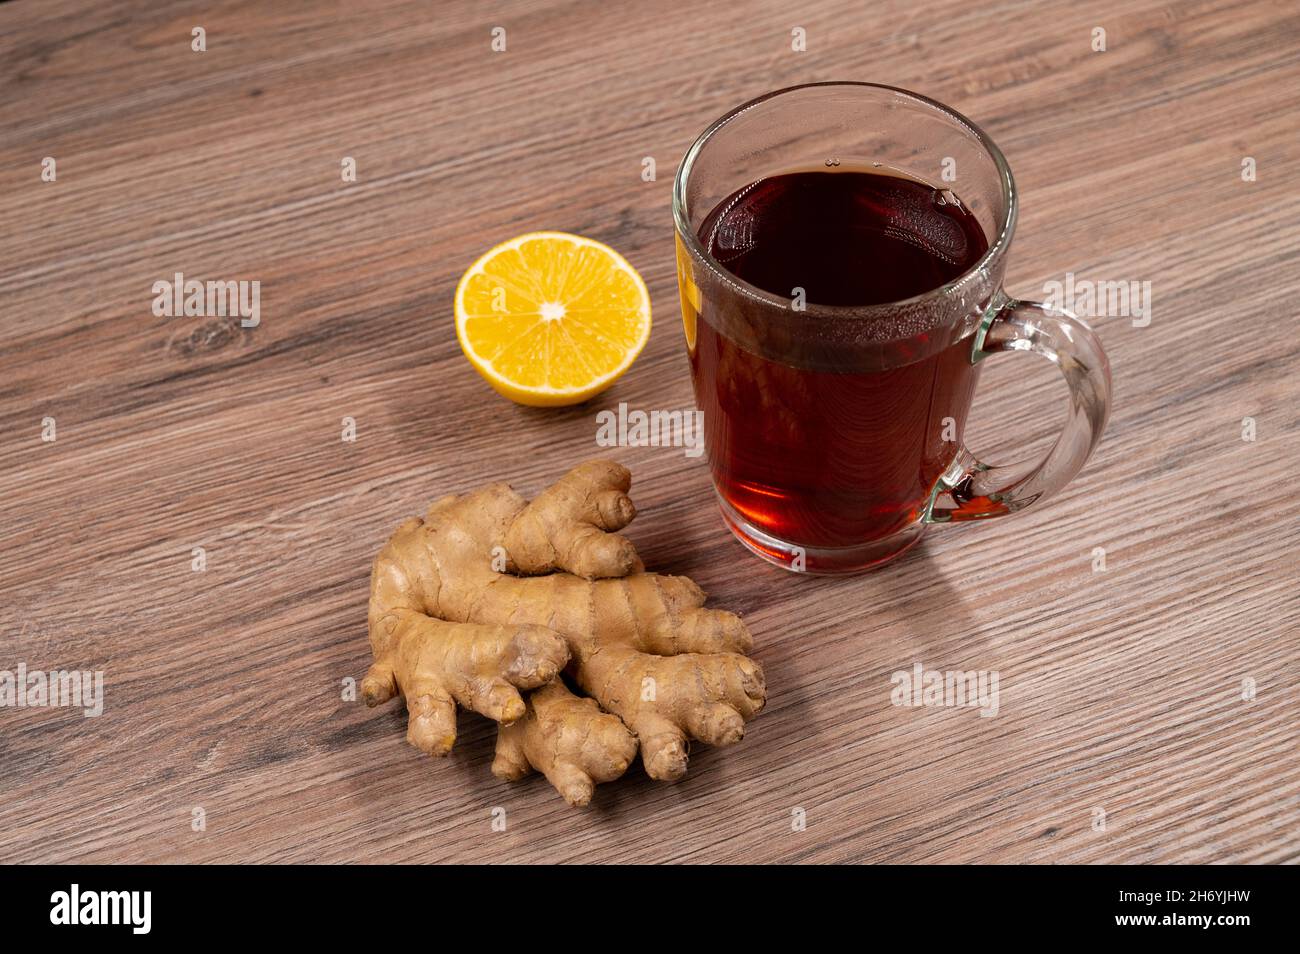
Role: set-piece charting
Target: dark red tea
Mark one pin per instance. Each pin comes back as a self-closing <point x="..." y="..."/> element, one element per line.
<point x="834" y="458"/>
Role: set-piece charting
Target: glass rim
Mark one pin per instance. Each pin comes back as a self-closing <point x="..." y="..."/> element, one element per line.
<point x="1006" y="227"/>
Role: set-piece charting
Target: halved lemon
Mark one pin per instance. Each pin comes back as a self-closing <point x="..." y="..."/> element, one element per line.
<point x="550" y="318"/>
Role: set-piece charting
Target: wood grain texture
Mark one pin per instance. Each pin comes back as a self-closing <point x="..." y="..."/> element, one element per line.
<point x="1121" y="690"/>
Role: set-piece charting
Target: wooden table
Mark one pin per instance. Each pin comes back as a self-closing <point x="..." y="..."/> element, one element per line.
<point x="1125" y="731"/>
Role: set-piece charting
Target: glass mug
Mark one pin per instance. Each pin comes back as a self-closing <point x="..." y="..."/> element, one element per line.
<point x="833" y="431"/>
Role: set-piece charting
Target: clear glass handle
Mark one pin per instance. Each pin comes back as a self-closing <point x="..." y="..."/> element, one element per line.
<point x="972" y="490"/>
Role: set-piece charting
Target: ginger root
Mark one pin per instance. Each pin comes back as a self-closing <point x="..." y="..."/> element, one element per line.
<point x="489" y="597"/>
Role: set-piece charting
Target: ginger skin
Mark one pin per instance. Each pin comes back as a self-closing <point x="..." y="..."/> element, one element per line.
<point x="447" y="628"/>
<point x="566" y="738"/>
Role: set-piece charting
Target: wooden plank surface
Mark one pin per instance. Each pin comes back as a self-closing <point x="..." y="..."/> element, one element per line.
<point x="1121" y="690"/>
